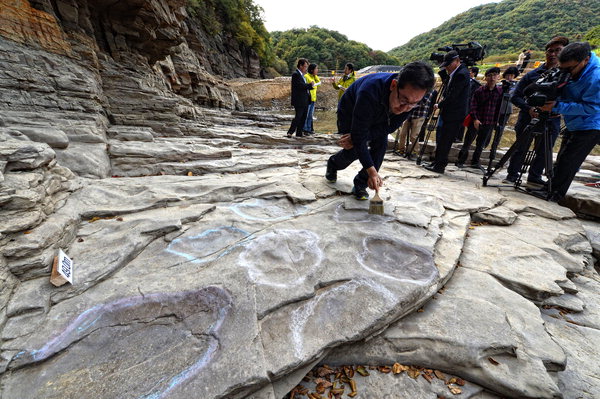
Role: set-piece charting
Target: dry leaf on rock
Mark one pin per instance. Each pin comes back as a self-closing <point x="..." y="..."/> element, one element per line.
<point x="413" y="373"/>
<point x="398" y="368"/>
<point x="439" y="375"/>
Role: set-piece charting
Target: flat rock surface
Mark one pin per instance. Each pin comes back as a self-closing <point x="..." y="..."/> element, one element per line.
<point x="211" y="259"/>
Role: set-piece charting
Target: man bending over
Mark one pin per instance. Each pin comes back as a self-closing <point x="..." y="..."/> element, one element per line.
<point x="370" y="109"/>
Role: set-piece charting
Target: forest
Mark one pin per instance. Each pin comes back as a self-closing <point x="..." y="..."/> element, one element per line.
<point x="505" y="28"/>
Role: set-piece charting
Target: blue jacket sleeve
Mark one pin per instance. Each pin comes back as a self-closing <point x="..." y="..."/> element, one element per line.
<point x="362" y="118"/>
<point x="589" y="105"/>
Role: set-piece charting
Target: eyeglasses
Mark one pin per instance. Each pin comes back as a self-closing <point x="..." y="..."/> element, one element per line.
<point x="404" y="101"/>
<point x="571" y="68"/>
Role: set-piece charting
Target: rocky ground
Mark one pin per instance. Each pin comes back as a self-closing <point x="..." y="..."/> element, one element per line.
<point x="239" y="270"/>
<point x="213" y="260"/>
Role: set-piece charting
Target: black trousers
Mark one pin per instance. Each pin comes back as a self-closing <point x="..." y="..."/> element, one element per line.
<point x="482" y="135"/>
<point x="575" y="147"/>
<point x="444" y="137"/>
<point x="342" y="159"/>
<point x="299" y="119"/>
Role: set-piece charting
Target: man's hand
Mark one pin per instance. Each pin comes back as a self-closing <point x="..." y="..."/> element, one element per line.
<point x="345" y="142"/>
<point x="548" y="106"/>
<point x="533" y="113"/>
<point x="374" y="181"/>
<point x="435" y="106"/>
<point x="476" y="124"/>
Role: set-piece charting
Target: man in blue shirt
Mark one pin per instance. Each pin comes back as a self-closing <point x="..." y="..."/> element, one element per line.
<point x="370" y="109"/>
<point x="579" y="104"/>
<point x="527" y="112"/>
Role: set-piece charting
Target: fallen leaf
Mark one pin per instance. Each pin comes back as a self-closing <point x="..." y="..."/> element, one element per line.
<point x="439" y="375"/>
<point x="27" y="232"/>
<point x="494" y="362"/>
<point x="420" y="310"/>
<point x="428" y="377"/>
<point x="461" y="382"/>
<point x="301" y="390"/>
<point x="322" y="385"/>
<point x="413" y="373"/>
<point x="324" y="382"/>
<point x="384" y="369"/>
<point x="80" y="239"/>
<point x="349" y="371"/>
<point x="190" y="174"/>
<point x="94" y="219"/>
<point x="362" y="371"/>
<point x="456" y="390"/>
<point x="119" y="219"/>
<point x="325" y="371"/>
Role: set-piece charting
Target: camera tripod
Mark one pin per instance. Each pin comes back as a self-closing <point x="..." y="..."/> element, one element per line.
<point x="535" y="137"/>
<point x="499" y="130"/>
<point x="408" y="151"/>
<point x="430" y="124"/>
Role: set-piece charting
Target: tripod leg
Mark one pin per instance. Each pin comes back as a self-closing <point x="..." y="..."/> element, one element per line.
<point x="548" y="160"/>
<point x="529" y="156"/>
<point x="526" y="139"/>
<point x="496" y="140"/>
<point x="430" y="127"/>
<point x="395" y="151"/>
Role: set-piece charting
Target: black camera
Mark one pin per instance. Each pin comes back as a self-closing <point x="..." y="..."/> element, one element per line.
<point x="547" y="88"/>
<point x="468" y="53"/>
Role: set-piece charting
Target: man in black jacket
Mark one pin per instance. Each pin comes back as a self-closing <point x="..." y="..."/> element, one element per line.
<point x="453" y="109"/>
<point x="526" y="114"/>
<point x="300" y="97"/>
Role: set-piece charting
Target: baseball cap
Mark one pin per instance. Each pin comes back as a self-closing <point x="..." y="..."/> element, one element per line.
<point x="449" y="57"/>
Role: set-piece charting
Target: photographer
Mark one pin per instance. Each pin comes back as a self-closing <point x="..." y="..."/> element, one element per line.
<point x="579" y="103"/>
<point x="527" y="112"/>
<point x="370" y="109"/>
<point x="453" y="109"/>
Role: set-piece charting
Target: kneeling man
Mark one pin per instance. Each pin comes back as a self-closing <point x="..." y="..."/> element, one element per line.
<point x="370" y="109"/>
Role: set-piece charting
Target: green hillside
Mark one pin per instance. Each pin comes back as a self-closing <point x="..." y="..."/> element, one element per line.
<point x="327" y="48"/>
<point x="507" y="27"/>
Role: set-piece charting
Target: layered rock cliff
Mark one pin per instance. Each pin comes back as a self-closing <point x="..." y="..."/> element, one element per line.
<point x="82" y="67"/>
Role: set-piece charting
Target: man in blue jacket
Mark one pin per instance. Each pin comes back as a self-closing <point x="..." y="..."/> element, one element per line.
<point x="579" y="104"/>
<point x="370" y="109"/>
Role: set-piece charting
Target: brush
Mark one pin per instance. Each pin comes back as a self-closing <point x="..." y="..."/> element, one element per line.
<point x="376" y="204"/>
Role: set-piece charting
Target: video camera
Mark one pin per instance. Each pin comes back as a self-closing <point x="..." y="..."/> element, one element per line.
<point x="468" y="53"/>
<point x="547" y="88"/>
